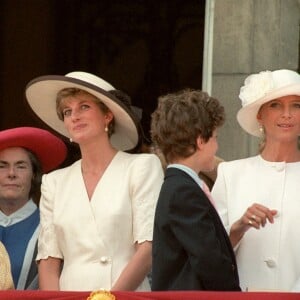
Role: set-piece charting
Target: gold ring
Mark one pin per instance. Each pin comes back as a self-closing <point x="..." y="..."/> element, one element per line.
<point x="253" y="217"/>
<point x="250" y="222"/>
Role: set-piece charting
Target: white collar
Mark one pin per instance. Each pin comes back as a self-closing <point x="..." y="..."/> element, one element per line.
<point x="19" y="215"/>
<point x="189" y="171"/>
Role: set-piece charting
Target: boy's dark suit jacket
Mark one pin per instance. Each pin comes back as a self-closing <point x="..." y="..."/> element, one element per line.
<point x="191" y="248"/>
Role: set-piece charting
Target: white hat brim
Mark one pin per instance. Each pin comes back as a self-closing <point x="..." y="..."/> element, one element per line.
<point x="247" y="115"/>
<point x="41" y="95"/>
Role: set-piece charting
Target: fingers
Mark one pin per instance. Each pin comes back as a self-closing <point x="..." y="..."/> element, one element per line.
<point x="253" y="220"/>
<point x="258" y="215"/>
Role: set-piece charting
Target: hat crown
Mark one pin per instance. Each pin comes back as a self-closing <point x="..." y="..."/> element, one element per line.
<point x="92" y="79"/>
<point x="257" y="86"/>
<point x="49" y="149"/>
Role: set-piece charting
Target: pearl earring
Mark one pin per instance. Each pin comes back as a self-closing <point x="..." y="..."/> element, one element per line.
<point x="71" y="140"/>
<point x="106" y="129"/>
<point x="261" y="129"/>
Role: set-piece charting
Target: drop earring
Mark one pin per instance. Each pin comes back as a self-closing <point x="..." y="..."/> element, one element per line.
<point x="71" y="140"/>
<point x="106" y="129"/>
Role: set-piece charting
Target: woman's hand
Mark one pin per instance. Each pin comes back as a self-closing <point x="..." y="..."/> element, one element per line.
<point x="255" y="216"/>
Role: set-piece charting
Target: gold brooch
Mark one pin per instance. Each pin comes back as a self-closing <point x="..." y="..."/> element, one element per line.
<point x="101" y="295"/>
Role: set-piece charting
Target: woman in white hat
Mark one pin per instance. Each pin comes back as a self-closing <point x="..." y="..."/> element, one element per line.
<point x="258" y="197"/>
<point x="97" y="214"/>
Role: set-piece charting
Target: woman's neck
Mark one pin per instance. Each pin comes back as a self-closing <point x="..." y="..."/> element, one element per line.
<point x="288" y="152"/>
<point x="96" y="156"/>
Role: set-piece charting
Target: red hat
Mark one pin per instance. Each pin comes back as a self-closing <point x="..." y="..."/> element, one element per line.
<point x="49" y="149"/>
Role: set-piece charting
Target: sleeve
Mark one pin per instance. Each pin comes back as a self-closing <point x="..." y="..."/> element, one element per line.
<point x="47" y="241"/>
<point x="219" y="194"/>
<point x="296" y="286"/>
<point x="194" y="225"/>
<point x="145" y="183"/>
<point x="6" y="281"/>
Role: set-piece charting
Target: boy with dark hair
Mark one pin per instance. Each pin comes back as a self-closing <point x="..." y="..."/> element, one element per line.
<point x="191" y="248"/>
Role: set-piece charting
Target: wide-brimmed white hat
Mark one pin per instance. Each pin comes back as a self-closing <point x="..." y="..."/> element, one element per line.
<point x="41" y="95"/>
<point x="261" y="88"/>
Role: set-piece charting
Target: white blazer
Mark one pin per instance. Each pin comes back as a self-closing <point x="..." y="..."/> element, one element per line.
<point x="269" y="258"/>
<point x="96" y="237"/>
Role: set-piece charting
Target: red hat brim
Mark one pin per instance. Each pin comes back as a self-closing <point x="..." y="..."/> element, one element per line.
<point x="49" y="149"/>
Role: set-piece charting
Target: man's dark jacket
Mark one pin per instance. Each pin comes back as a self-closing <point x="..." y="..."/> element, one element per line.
<point x="191" y="248"/>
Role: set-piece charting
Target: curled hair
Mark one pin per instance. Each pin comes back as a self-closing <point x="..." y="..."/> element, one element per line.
<point x="181" y="118"/>
<point x="72" y="92"/>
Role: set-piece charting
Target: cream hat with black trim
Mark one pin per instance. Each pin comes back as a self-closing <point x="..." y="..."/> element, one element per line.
<point x="261" y="88"/>
<point x="41" y="95"/>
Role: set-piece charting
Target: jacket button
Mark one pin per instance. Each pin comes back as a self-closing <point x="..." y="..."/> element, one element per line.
<point x="104" y="259"/>
<point x="270" y="263"/>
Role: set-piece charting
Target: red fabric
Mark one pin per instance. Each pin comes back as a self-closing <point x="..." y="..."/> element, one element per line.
<point x="50" y="150"/>
<point x="55" y="295"/>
